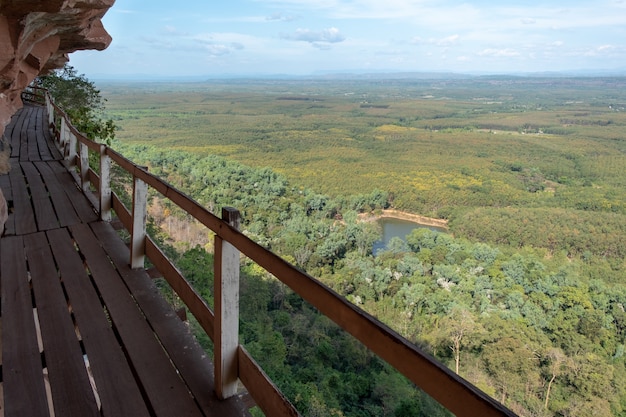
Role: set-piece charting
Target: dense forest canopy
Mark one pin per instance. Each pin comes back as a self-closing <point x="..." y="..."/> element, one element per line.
<point x="525" y="297"/>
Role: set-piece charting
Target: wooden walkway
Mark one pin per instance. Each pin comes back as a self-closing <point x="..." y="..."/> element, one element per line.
<point x="82" y="334"/>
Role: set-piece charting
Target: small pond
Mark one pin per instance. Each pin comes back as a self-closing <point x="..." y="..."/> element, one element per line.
<point x="398" y="228"/>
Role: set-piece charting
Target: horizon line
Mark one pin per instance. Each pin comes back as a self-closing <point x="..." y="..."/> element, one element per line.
<point x="356" y="74"/>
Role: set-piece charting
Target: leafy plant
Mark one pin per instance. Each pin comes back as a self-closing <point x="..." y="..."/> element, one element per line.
<point x="82" y="102"/>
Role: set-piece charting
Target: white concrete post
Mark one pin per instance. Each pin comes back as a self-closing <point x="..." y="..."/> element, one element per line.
<point x="226" y="290"/>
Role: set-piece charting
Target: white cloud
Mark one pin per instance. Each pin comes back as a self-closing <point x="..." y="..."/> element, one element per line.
<point x="442" y="42"/>
<point x="158" y="43"/>
<point x="236" y="19"/>
<point x="499" y="53"/>
<point x="606" y="50"/>
<point x="215" y="44"/>
<point x="216" y="50"/>
<point x="473" y="35"/>
<point x="170" y="30"/>
<point x="321" y="46"/>
<point x="281" y="17"/>
<point x="486" y="17"/>
<point x="330" y="35"/>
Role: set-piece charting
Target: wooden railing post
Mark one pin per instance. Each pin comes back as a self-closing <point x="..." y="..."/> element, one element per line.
<point x="63" y="137"/>
<point x="226" y="290"/>
<point x="71" y="156"/>
<point x="105" y="185"/>
<point x="138" y="232"/>
<point x="84" y="166"/>
<point x="50" y="108"/>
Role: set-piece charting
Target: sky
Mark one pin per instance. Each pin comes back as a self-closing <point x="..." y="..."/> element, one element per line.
<point x="188" y="38"/>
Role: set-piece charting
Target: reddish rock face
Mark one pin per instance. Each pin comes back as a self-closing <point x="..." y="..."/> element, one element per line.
<point x="37" y="35"/>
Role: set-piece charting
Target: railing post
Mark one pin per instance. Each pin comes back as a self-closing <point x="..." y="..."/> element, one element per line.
<point x="105" y="185"/>
<point x="138" y="232"/>
<point x="72" y="144"/>
<point x="226" y="290"/>
<point x="84" y="166"/>
<point x="50" y="108"/>
<point x="63" y="137"/>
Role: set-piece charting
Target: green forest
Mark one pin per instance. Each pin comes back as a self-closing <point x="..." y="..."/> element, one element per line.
<point x="525" y="295"/>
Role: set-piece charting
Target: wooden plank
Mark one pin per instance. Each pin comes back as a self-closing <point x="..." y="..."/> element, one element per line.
<point x="43" y="140"/>
<point x="54" y="150"/>
<point x="15" y="137"/>
<point x="1" y="387"/>
<point x="22" y="373"/>
<point x="5" y="185"/>
<point x="61" y="202"/>
<point x="31" y="136"/>
<point x="165" y="389"/>
<point x="267" y="395"/>
<point x="8" y="131"/>
<point x="92" y="145"/>
<point x="23" y="213"/>
<point x="69" y="382"/>
<point x="55" y="154"/>
<point x="1" y="402"/>
<point x="23" y="135"/>
<point x="188" y="295"/>
<point x="116" y="385"/>
<point x="189" y="358"/>
<point x="122" y="161"/>
<point x="122" y="212"/>
<point x="7" y="190"/>
<point x="82" y="206"/>
<point x="42" y="204"/>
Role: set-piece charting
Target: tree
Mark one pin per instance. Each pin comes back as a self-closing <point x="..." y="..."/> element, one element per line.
<point x="556" y="360"/>
<point x="509" y="362"/>
<point x="365" y="234"/>
<point x="81" y="101"/>
<point x="459" y="327"/>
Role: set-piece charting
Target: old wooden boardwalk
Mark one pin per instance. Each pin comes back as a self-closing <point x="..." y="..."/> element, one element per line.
<point x="82" y="333"/>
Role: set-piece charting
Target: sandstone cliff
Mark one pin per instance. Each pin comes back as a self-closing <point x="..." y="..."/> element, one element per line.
<point x="37" y="35"/>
